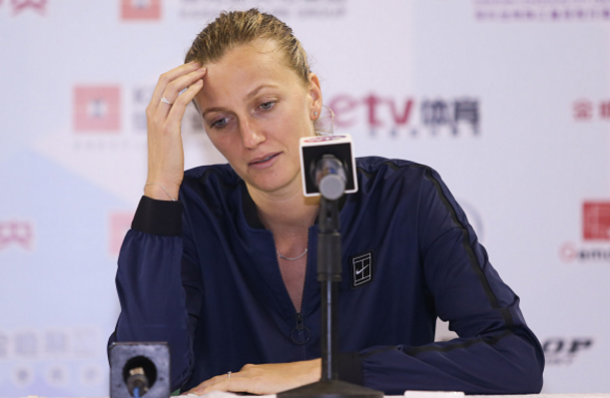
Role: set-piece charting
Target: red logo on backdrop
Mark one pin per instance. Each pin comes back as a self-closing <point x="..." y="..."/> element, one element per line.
<point x="568" y="252"/>
<point x="20" y="5"/>
<point x="120" y="223"/>
<point x="342" y="105"/>
<point x="583" y="110"/>
<point x="391" y="113"/>
<point x="97" y="108"/>
<point x="140" y="9"/>
<point x="604" y="110"/>
<point x="16" y="232"/>
<point x="325" y="139"/>
<point x="596" y="220"/>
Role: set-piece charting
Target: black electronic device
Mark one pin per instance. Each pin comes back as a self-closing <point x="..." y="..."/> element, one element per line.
<point x="139" y="369"/>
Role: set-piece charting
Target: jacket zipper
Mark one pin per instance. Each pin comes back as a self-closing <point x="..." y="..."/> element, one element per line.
<point x="300" y="334"/>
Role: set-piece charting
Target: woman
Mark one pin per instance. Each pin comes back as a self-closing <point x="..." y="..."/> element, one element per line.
<point x="220" y="260"/>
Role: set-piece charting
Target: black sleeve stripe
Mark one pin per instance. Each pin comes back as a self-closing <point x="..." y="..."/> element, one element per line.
<point x="158" y="217"/>
<point x="364" y="172"/>
<point x="379" y="351"/>
<point x="493" y="300"/>
<point x="491" y="340"/>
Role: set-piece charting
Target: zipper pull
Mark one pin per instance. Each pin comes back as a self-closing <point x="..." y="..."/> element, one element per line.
<point x="300" y="334"/>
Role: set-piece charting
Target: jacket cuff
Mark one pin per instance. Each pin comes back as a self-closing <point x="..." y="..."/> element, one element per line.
<point x="349" y="367"/>
<point x="158" y="217"/>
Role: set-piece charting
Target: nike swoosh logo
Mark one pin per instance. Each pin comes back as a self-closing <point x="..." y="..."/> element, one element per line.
<point x="363" y="268"/>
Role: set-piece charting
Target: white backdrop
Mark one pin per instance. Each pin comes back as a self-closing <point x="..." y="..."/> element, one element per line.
<point x="509" y="100"/>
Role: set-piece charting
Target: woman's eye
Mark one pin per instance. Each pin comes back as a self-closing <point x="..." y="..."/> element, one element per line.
<point x="220" y="123"/>
<point x="267" y="105"/>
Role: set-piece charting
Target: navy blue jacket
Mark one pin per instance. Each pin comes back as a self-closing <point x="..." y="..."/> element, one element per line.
<point x="202" y="274"/>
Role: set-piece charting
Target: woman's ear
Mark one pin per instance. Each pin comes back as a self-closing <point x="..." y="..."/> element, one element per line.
<point x="315" y="94"/>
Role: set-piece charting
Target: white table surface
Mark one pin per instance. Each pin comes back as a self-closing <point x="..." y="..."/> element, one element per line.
<point x="218" y="394"/>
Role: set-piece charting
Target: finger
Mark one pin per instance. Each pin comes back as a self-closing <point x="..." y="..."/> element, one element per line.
<point x="167" y="77"/>
<point x="177" y="110"/>
<point x="233" y="384"/>
<point x="180" y="83"/>
<point x="171" y="95"/>
<point x="170" y="75"/>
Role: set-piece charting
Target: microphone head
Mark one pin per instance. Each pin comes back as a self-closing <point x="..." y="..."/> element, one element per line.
<point x="332" y="186"/>
<point x="312" y="151"/>
<point x="329" y="175"/>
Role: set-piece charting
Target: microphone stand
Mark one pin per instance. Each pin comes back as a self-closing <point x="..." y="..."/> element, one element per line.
<point x="329" y="275"/>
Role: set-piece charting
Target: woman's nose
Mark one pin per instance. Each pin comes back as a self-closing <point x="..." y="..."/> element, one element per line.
<point x="251" y="134"/>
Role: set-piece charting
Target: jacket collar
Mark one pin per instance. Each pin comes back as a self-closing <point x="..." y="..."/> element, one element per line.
<point x="251" y="213"/>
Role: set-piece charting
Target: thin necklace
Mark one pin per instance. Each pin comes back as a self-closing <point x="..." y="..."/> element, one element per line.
<point x="291" y="258"/>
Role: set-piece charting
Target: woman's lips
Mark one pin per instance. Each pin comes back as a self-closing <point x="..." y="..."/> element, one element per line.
<point x="264" y="161"/>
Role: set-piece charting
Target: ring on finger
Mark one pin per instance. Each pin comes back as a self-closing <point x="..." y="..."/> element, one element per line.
<point x="166" y="101"/>
<point x="229" y="375"/>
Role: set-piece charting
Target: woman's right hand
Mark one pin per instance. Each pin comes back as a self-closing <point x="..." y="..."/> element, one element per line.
<point x="165" y="150"/>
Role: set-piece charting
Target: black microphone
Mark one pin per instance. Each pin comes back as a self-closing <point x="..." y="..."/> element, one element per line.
<point x="328" y="167"/>
<point x="137" y="382"/>
<point x="138" y="368"/>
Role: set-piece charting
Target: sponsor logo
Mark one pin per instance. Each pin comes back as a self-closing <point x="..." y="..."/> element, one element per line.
<point x="23" y="375"/>
<point x="596" y="221"/>
<point x="362" y="269"/>
<point x="569" y="252"/>
<point x="283" y="9"/>
<point x="98" y="126"/>
<point x="79" y="342"/>
<point x="588" y="110"/>
<point x="541" y="10"/>
<point x="18" y="233"/>
<point x="22" y="5"/>
<point x="583" y="110"/>
<point x="26" y="344"/>
<point x="40" y="346"/>
<point x="325" y="139"/>
<point x="56" y="375"/>
<point x="55" y="342"/>
<point x="595" y="232"/>
<point x="91" y="375"/>
<point x="564" y="351"/>
<point x="140" y="10"/>
<point x="604" y="110"/>
<point x="430" y="116"/>
<point x="119" y="224"/>
<point x="97" y="109"/>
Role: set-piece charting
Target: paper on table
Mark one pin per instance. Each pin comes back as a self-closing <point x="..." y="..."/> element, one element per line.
<point x="434" y="394"/>
<point x="222" y="394"/>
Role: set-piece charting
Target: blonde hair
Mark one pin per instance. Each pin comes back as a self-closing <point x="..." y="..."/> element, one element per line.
<point x="236" y="28"/>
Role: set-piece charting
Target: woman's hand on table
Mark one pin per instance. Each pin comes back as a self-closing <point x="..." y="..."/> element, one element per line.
<point x="264" y="379"/>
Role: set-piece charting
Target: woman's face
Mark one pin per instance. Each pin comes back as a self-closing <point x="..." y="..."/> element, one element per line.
<point x="255" y="109"/>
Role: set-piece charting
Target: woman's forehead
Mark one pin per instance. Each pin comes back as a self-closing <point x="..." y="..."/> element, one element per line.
<point x="265" y="51"/>
<point x="244" y="68"/>
<point x="242" y="73"/>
